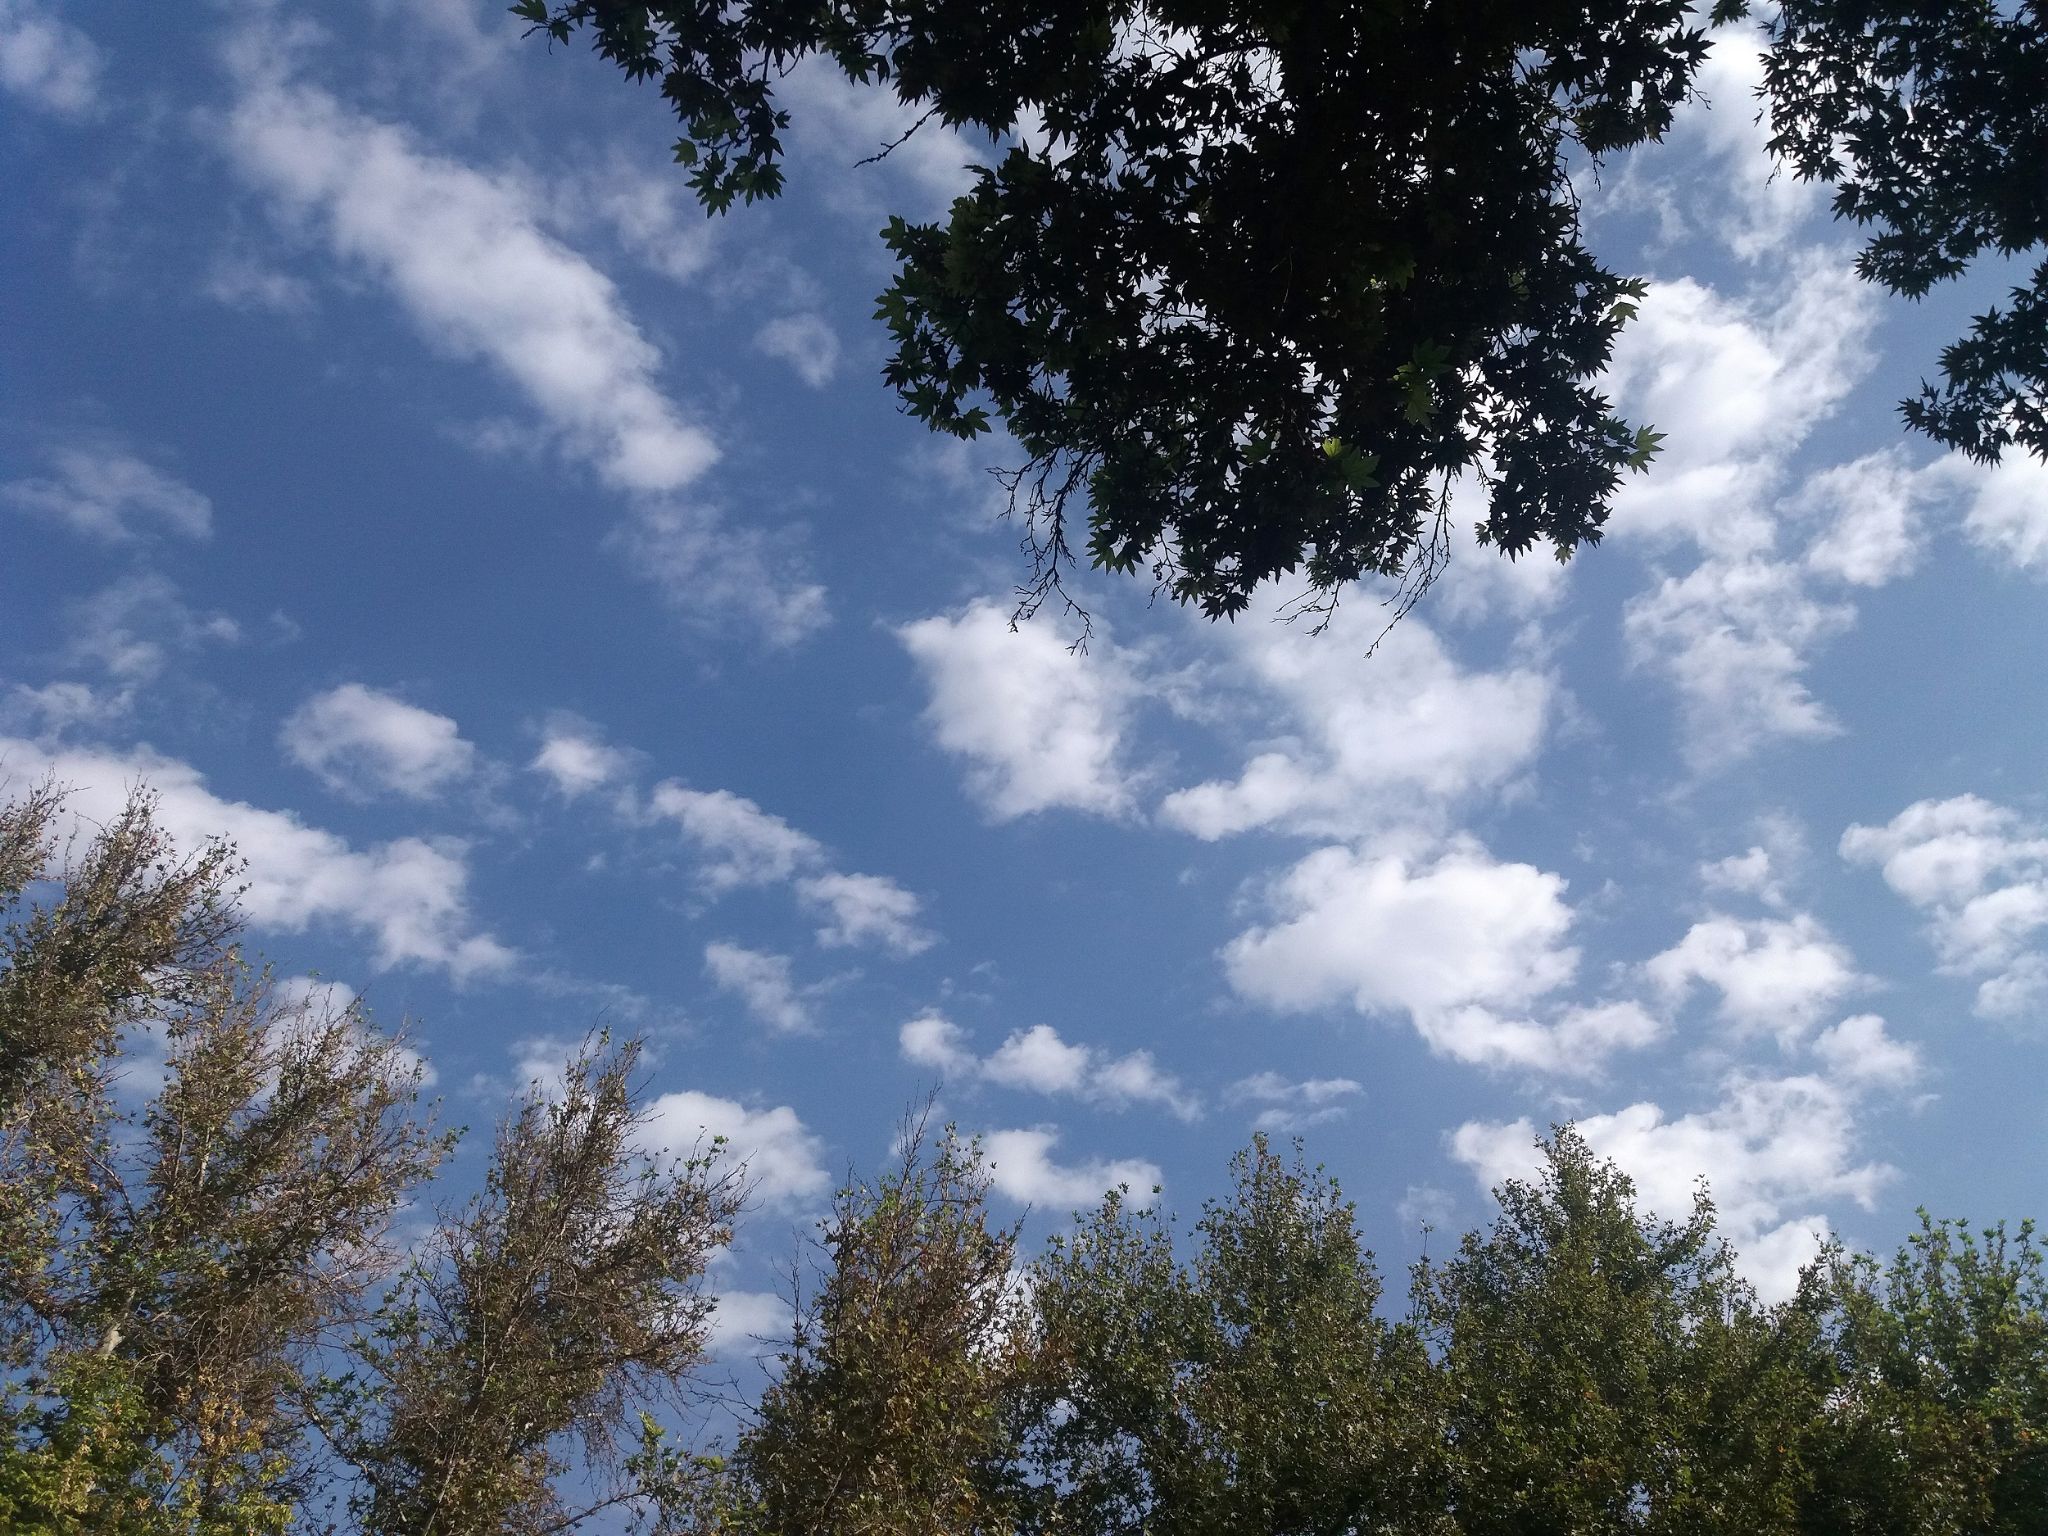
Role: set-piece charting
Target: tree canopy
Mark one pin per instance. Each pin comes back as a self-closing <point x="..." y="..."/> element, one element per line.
<point x="1251" y="284"/>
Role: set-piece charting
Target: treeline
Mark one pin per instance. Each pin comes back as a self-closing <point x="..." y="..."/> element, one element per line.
<point x="227" y="1305"/>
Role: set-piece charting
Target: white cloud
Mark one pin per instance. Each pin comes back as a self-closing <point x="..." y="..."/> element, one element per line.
<point x="837" y="123"/>
<point x="133" y="628"/>
<point x="464" y="252"/>
<point x="1459" y="943"/>
<point x="2008" y="512"/>
<point x="1362" y="742"/>
<point x="1038" y="1060"/>
<point x="762" y="982"/>
<point x="1021" y="1166"/>
<point x="1775" y="975"/>
<point x="806" y="343"/>
<point x="1040" y="727"/>
<point x="47" y="62"/>
<point x="780" y="1155"/>
<point x="408" y="896"/>
<point x="713" y="573"/>
<point x="1870" y="510"/>
<point x="1294" y="1106"/>
<point x="1859" y="1050"/>
<point x="1771" y="1150"/>
<point x="1979" y="871"/>
<point x="865" y="909"/>
<point x="1736" y="386"/>
<point x="748" y="1322"/>
<point x="1748" y="873"/>
<point x="741" y="844"/>
<point x="469" y="256"/>
<point x="575" y="756"/>
<point x="932" y="1040"/>
<point x="361" y="742"/>
<point x="111" y="495"/>
<point x="1732" y="636"/>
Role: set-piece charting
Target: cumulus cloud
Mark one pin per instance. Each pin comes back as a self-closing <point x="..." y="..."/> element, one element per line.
<point x="1979" y="872"/>
<point x="1039" y="726"/>
<point x="1733" y="637"/>
<point x="1738" y="384"/>
<point x="739" y="843"/>
<point x="46" y="62"/>
<point x="1038" y="1060"/>
<point x="747" y="1322"/>
<point x="764" y="983"/>
<point x="409" y="897"/>
<point x="806" y="343"/>
<point x="1021" y="1166"/>
<point x="361" y="742"/>
<point x="465" y="254"/>
<point x="469" y="256"/>
<point x="865" y="909"/>
<point x="781" y="1156"/>
<point x="1462" y="944"/>
<point x="1294" y="1106"/>
<point x="110" y="495"/>
<point x="714" y="574"/>
<point x="134" y="628"/>
<point x="1359" y="743"/>
<point x="2007" y="516"/>
<point x="576" y="759"/>
<point x="1860" y="1050"/>
<point x="1771" y="1151"/>
<point x="1776" y="976"/>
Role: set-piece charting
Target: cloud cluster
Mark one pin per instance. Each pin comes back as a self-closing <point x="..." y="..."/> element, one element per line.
<point x="1038" y="726"/>
<point x="106" y="493"/>
<point x="1771" y="1151"/>
<point x="1038" y="1060"/>
<point x="1288" y="1107"/>
<point x="470" y="257"/>
<point x="1021" y="1166"/>
<point x="46" y="62"/>
<point x="1979" y="871"/>
<point x="1355" y="744"/>
<point x="1467" y="947"/>
<point x="738" y="844"/>
<point x="361" y="742"/>
<point x="408" y="897"/>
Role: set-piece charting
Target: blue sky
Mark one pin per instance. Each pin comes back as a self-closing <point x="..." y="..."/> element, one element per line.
<point x="399" y="474"/>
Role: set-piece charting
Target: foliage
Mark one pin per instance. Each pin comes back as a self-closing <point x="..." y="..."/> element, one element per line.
<point x="168" y="1268"/>
<point x="1251" y="282"/>
<point x="1936" y="1370"/>
<point x="890" y="1415"/>
<point x="1930" y="119"/>
<point x="1255" y="1388"/>
<point x="1602" y="1372"/>
<point x="562" y="1302"/>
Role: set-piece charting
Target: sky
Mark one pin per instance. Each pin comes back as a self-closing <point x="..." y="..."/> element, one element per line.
<point x="535" y="579"/>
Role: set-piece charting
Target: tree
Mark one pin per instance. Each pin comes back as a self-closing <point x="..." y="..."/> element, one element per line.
<point x="893" y="1412"/>
<point x="1930" y="119"/>
<point x="1251" y="283"/>
<point x="563" y="1304"/>
<point x="1255" y="1389"/>
<point x="171" y="1265"/>
<point x="1604" y="1374"/>
<point x="1935" y="1374"/>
